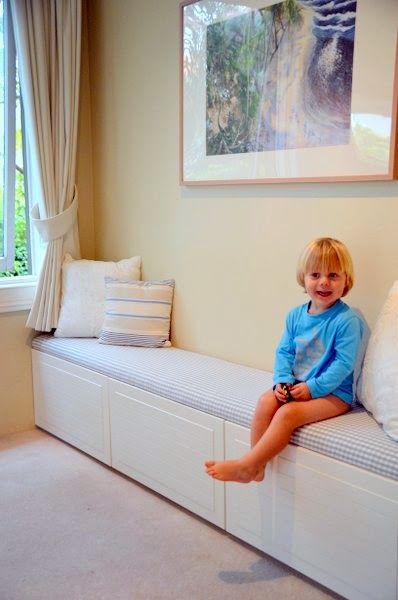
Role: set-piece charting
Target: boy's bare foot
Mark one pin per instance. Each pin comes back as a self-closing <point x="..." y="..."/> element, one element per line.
<point x="231" y="470"/>
<point x="260" y="474"/>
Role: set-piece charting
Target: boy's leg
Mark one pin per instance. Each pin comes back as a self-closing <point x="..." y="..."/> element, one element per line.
<point x="276" y="437"/>
<point x="267" y="406"/>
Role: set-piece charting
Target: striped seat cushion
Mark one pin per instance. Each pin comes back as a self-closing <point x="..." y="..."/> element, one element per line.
<point x="229" y="391"/>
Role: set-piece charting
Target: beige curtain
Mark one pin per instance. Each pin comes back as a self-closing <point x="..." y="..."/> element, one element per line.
<point x="48" y="43"/>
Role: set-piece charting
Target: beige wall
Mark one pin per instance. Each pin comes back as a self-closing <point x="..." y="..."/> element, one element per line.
<point x="84" y="175"/>
<point x="232" y="250"/>
<point x="16" y="403"/>
<point x="16" y="397"/>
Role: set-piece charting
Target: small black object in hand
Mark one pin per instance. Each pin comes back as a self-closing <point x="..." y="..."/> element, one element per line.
<point x="286" y="391"/>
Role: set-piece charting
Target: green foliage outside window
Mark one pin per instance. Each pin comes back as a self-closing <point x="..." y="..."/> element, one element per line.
<point x="21" y="263"/>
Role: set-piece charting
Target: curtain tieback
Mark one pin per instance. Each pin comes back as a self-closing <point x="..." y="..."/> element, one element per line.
<point x="55" y="227"/>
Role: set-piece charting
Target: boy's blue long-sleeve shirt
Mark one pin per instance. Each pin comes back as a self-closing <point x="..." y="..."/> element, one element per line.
<point x="320" y="349"/>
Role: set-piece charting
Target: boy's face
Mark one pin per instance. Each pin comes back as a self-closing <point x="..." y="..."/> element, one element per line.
<point x="324" y="288"/>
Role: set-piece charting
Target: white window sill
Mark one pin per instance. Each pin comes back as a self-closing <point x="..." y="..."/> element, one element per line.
<point x="17" y="293"/>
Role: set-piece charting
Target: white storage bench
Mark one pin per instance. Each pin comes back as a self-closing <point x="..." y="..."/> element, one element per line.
<point x="328" y="506"/>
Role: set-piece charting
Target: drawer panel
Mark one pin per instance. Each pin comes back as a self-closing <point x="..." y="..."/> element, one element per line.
<point x="164" y="445"/>
<point x="249" y="507"/>
<point x="311" y="514"/>
<point x="72" y="403"/>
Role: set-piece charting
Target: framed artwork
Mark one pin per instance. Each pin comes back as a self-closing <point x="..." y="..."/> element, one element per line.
<point x="285" y="91"/>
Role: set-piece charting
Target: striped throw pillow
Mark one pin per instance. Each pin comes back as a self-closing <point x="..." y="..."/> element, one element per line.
<point x="137" y="313"/>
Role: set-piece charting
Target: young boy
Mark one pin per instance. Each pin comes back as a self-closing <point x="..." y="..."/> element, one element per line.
<point x="314" y="362"/>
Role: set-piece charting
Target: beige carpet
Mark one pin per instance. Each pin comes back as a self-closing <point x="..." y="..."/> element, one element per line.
<point x="72" y="529"/>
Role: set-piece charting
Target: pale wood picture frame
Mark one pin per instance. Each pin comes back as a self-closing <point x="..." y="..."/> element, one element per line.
<point x="297" y="130"/>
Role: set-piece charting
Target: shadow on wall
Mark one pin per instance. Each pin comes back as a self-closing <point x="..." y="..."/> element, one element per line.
<point x="322" y="192"/>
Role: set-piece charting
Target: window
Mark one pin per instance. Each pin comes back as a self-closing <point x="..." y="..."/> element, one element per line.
<point x="17" y="273"/>
<point x="15" y="254"/>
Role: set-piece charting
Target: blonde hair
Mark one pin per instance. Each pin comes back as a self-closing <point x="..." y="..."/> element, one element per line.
<point x="326" y="254"/>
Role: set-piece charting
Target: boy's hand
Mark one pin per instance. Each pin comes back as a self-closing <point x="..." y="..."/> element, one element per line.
<point x="280" y="393"/>
<point x="300" y="392"/>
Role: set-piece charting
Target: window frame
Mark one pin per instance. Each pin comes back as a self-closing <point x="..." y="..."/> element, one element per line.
<point x="16" y="293"/>
<point x="7" y="261"/>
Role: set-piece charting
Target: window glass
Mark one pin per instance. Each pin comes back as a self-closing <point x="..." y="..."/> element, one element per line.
<point x="15" y="255"/>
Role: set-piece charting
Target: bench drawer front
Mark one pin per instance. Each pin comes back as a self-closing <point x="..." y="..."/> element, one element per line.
<point x="72" y="403"/>
<point x="163" y="445"/>
<point x="249" y="507"/>
<point x="336" y="527"/>
<point x="311" y="514"/>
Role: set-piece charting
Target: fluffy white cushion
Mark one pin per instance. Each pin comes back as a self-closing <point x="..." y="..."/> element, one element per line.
<point x="137" y="313"/>
<point x="83" y="293"/>
<point x="378" y="383"/>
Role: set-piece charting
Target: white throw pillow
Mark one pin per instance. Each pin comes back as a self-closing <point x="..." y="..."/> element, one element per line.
<point x="83" y="293"/>
<point x="137" y="313"/>
<point x="378" y="383"/>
